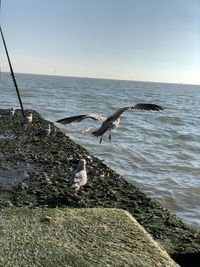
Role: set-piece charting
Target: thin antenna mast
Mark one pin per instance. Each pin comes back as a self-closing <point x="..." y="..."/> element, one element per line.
<point x="11" y="69"/>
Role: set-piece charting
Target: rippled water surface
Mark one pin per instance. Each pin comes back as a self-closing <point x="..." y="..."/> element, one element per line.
<point x="157" y="151"/>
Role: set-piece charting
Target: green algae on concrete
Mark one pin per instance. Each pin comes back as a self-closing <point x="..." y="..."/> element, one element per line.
<point x="76" y="237"/>
<point x="46" y="165"/>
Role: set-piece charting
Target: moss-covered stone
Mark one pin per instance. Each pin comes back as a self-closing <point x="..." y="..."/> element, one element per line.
<point x="42" y="180"/>
<point x="76" y="237"/>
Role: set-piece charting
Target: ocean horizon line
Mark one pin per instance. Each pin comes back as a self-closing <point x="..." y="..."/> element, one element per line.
<point x="101" y="78"/>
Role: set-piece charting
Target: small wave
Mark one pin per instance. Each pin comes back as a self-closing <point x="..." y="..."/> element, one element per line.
<point x="171" y="120"/>
<point x="185" y="136"/>
<point x="186" y="168"/>
<point x="170" y="181"/>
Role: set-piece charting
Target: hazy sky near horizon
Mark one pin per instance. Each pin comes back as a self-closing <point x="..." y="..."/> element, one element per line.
<point x="147" y="40"/>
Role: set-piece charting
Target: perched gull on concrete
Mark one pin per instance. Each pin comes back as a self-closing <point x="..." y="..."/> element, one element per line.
<point x="79" y="118"/>
<point x="9" y="112"/>
<point x="79" y="176"/>
<point x="45" y="132"/>
<point x="28" y="119"/>
<point x="12" y="112"/>
<point x="114" y="120"/>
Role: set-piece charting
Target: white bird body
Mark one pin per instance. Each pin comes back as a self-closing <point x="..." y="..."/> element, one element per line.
<point x="28" y="119"/>
<point x="79" y="175"/>
<point x="12" y="111"/>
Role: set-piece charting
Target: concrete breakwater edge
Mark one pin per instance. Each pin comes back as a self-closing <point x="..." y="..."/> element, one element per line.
<point x="34" y="172"/>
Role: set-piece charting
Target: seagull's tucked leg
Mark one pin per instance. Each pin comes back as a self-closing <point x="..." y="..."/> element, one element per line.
<point x="101" y="139"/>
<point x="109" y="135"/>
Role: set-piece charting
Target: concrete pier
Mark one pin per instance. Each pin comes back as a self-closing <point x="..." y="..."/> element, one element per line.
<point x="35" y="171"/>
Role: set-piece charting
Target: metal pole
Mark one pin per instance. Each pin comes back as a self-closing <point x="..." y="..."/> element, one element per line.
<point x="11" y="70"/>
<point x="12" y="73"/>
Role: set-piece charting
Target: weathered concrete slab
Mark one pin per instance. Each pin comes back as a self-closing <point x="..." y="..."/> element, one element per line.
<point x="76" y="237"/>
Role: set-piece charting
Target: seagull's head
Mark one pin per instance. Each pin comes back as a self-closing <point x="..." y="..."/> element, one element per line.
<point x="12" y="110"/>
<point x="30" y="114"/>
<point x="82" y="163"/>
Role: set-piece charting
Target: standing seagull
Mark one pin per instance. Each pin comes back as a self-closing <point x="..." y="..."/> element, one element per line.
<point x="12" y="111"/>
<point x="45" y="132"/>
<point x="9" y="112"/>
<point x="114" y="120"/>
<point x="28" y="119"/>
<point x="79" y="176"/>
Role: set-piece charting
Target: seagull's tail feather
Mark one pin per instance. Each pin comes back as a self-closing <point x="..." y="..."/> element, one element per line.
<point x="99" y="132"/>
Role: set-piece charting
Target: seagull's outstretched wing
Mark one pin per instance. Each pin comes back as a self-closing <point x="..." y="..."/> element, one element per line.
<point x="140" y="106"/>
<point x="79" y="118"/>
<point x="146" y="106"/>
<point x="117" y="113"/>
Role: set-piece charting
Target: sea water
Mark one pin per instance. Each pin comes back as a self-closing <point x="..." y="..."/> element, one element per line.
<point x="157" y="151"/>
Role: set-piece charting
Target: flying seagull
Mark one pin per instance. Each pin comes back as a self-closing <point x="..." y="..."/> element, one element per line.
<point x="45" y="132"/>
<point x="79" y="176"/>
<point x="113" y="121"/>
<point x="108" y="123"/>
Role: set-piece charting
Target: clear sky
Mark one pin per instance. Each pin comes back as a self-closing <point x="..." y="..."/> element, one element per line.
<point x="146" y="40"/>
